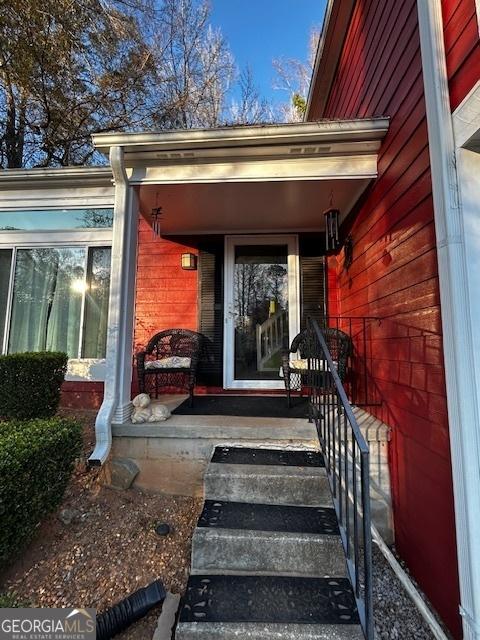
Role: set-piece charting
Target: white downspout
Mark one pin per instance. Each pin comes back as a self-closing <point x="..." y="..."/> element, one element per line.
<point x="464" y="423"/>
<point x="116" y="400"/>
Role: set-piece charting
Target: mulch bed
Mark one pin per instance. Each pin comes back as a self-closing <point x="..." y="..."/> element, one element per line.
<point x="108" y="549"/>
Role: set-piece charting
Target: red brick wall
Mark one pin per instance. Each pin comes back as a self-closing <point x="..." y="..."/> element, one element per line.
<point x="394" y="276"/>
<point x="166" y="294"/>
<point x="81" y="395"/>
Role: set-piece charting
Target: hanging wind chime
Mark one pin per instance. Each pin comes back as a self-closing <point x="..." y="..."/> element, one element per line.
<point x="332" y="235"/>
<point x="155" y="215"/>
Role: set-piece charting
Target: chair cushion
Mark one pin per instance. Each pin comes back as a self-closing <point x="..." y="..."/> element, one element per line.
<point x="301" y="364"/>
<point x="172" y="362"/>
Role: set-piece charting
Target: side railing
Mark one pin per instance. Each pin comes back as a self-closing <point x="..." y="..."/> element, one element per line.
<point x="270" y="336"/>
<point x="346" y="456"/>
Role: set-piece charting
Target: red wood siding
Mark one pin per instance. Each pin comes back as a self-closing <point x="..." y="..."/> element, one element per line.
<point x="462" y="47"/>
<point x="394" y="276"/>
<point x="166" y="294"/>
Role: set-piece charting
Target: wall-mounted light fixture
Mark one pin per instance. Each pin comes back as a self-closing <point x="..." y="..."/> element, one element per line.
<point x="189" y="261"/>
<point x="332" y="241"/>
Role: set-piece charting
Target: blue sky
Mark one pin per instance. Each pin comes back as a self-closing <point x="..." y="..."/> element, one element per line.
<point x="260" y="30"/>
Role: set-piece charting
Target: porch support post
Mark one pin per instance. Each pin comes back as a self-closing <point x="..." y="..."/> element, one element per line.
<point x="464" y="423"/>
<point x="116" y="404"/>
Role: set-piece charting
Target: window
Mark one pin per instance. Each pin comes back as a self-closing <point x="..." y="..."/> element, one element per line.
<point x="51" y="220"/>
<point x="55" y="298"/>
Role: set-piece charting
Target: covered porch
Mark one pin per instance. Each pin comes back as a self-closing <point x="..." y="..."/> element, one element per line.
<point x="230" y="197"/>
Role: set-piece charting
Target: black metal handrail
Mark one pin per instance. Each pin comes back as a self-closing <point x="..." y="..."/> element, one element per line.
<point x="347" y="464"/>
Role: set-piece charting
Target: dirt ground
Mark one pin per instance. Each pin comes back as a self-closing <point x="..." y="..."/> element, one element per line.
<point x="101" y="546"/>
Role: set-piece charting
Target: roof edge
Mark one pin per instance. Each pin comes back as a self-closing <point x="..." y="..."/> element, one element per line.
<point x="251" y="136"/>
<point x="50" y="175"/>
<point x="337" y="19"/>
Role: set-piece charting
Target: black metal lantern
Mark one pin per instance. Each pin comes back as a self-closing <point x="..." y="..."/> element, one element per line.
<point x="332" y="241"/>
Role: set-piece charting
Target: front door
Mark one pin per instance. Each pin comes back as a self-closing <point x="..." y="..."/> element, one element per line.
<point x="262" y="312"/>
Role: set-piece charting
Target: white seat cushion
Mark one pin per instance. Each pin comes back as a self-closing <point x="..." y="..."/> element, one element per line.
<point x="301" y="364"/>
<point x="172" y="362"/>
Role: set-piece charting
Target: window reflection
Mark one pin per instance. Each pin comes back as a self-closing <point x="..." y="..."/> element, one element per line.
<point x="261" y="310"/>
<point x="54" y="220"/>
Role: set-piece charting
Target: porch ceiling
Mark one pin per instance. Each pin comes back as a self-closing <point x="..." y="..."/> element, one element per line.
<point x="248" y="207"/>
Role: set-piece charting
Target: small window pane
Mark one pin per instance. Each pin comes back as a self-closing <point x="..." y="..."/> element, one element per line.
<point x="56" y="220"/>
<point x="5" y="265"/>
<point x="96" y="303"/>
<point x="47" y="300"/>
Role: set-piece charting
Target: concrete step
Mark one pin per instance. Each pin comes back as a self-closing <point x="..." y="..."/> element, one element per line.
<point x="266" y="607"/>
<point x="262" y="631"/>
<point x="234" y="551"/>
<point x="267" y="484"/>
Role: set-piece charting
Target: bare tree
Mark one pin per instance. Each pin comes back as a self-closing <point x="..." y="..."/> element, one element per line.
<point x="293" y="78"/>
<point x="250" y="108"/>
<point x="194" y="66"/>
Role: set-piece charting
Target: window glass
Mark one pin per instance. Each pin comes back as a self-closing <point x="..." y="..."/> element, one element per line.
<point x="96" y="303"/>
<point x="48" y="292"/>
<point x="55" y="220"/>
<point x="5" y="263"/>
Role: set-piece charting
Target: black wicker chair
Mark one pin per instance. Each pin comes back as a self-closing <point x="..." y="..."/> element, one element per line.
<point x="174" y="355"/>
<point x="340" y="346"/>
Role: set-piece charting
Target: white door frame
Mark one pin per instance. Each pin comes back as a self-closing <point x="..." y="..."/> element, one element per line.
<point x="293" y="264"/>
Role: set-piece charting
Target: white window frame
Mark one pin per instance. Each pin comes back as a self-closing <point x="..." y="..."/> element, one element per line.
<point x="477" y="5"/>
<point x="81" y="369"/>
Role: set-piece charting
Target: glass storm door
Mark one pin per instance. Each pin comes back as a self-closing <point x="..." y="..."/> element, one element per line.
<point x="261" y="308"/>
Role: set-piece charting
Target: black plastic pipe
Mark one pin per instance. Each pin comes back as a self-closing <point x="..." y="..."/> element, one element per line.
<point x="129" y="610"/>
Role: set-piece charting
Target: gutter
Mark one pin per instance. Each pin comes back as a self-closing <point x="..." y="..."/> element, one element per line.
<point x="458" y="345"/>
<point x="324" y="132"/>
<point x="111" y="397"/>
<point x="337" y="19"/>
<point x="319" y="55"/>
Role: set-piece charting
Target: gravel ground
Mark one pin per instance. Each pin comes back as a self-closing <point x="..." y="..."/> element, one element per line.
<point x="101" y="546"/>
<point x="396" y="617"/>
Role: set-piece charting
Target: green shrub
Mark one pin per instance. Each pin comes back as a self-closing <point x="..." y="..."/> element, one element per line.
<point x="30" y="384"/>
<point x="36" y="462"/>
<point x="9" y="600"/>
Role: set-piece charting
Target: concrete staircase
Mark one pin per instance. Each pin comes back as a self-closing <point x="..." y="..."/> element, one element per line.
<point x="267" y="560"/>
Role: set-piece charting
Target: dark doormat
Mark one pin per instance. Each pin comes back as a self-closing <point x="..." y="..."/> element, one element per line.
<point x="248" y="406"/>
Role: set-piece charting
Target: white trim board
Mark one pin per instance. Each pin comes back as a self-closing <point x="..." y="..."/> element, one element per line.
<point x="463" y="416"/>
<point x="53" y="238"/>
<point x="466" y="119"/>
